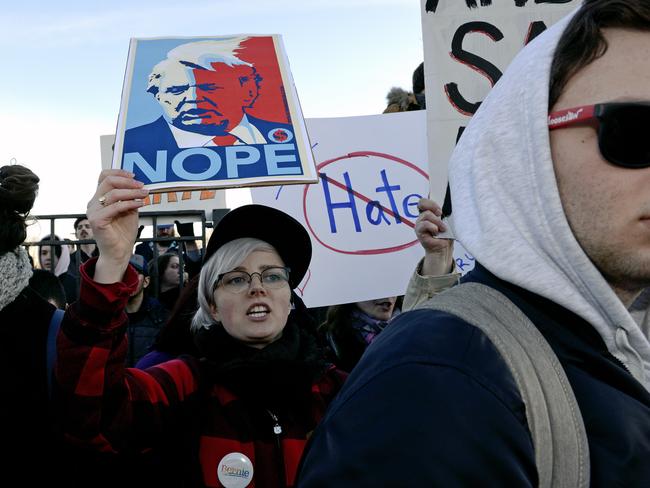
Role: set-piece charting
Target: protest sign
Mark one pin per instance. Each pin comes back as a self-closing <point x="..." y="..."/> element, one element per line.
<point x="467" y="46"/>
<point x="361" y="214"/>
<point x="171" y="201"/>
<point x="211" y="112"/>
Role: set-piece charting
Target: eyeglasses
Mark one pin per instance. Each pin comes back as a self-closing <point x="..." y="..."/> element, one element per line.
<point x="238" y="281"/>
<point x="622" y="130"/>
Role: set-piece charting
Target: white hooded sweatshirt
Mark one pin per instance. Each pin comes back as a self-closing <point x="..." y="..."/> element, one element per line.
<point x="507" y="210"/>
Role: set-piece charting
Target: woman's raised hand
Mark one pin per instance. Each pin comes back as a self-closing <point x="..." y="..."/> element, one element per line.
<point x="113" y="216"/>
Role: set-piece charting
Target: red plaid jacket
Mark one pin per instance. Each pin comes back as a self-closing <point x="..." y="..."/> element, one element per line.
<point x="118" y="409"/>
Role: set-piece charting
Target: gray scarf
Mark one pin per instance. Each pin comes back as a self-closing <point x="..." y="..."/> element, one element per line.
<point x="15" y="271"/>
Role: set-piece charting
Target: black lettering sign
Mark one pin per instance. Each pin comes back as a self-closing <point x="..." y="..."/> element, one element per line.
<point x="432" y="5"/>
<point x="534" y="29"/>
<point x="487" y="69"/>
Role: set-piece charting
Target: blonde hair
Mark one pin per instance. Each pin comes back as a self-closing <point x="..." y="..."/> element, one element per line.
<point x="225" y="259"/>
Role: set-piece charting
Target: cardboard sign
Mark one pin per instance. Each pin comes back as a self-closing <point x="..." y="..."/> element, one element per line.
<point x="467" y="46"/>
<point x="211" y="112"/>
<point x="361" y="214"/>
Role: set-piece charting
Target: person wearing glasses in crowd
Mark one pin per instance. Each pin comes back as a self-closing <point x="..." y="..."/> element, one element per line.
<point x="239" y="412"/>
<point x="550" y="193"/>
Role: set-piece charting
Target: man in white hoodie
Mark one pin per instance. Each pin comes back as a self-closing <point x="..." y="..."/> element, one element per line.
<point x="551" y="193"/>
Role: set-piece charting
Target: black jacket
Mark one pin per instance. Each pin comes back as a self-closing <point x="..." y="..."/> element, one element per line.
<point x="25" y="417"/>
<point x="35" y="453"/>
<point x="432" y="403"/>
<point x="143" y="329"/>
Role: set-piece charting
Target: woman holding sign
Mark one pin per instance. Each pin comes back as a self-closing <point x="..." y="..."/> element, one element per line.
<point x="240" y="413"/>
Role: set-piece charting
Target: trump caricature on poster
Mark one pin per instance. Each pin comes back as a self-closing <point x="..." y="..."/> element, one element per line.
<point x="211" y="113"/>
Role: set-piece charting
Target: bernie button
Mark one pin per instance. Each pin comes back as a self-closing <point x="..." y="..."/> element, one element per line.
<point x="235" y="470"/>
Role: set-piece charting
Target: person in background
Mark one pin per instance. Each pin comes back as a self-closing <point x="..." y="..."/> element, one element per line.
<point x="351" y="327"/>
<point x="84" y="252"/>
<point x="240" y="411"/>
<point x="400" y="100"/>
<point x="168" y="280"/>
<point x="56" y="259"/>
<point x="53" y="257"/>
<point x="24" y="321"/>
<point x="163" y="231"/>
<point x="146" y="315"/>
<point x="175" y="337"/>
<point x="191" y="252"/>
<point x="418" y="88"/>
<point x="35" y="454"/>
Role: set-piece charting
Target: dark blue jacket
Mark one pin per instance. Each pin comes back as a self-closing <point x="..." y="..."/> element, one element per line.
<point x="143" y="329"/>
<point x="432" y="403"/>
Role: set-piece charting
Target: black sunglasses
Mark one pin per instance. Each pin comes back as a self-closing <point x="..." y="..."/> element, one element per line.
<point x="622" y="130"/>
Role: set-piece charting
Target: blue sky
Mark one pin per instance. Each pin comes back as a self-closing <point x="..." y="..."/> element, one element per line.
<point x="64" y="63"/>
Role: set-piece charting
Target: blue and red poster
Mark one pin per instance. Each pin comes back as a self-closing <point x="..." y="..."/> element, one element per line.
<point x="211" y="112"/>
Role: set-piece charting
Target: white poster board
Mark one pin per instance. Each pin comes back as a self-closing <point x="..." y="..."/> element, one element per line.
<point x="467" y="46"/>
<point x="361" y="213"/>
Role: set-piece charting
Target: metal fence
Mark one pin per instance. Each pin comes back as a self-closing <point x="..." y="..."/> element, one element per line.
<point x="146" y="219"/>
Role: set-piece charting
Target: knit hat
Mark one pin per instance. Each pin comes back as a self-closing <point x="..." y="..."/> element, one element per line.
<point x="418" y="79"/>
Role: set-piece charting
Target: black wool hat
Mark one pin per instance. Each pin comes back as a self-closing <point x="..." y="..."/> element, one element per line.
<point x="418" y="79"/>
<point x="268" y="224"/>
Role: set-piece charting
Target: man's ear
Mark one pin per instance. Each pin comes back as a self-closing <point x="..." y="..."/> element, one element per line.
<point x="214" y="312"/>
<point x="145" y="281"/>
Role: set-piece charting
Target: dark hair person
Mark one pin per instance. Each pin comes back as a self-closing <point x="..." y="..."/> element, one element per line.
<point x="242" y="409"/>
<point x="168" y="279"/>
<point x="56" y="259"/>
<point x="24" y="322"/>
<point x="175" y="337"/>
<point x="350" y="328"/>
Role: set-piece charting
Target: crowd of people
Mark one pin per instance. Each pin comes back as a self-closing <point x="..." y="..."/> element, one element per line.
<point x="180" y="366"/>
